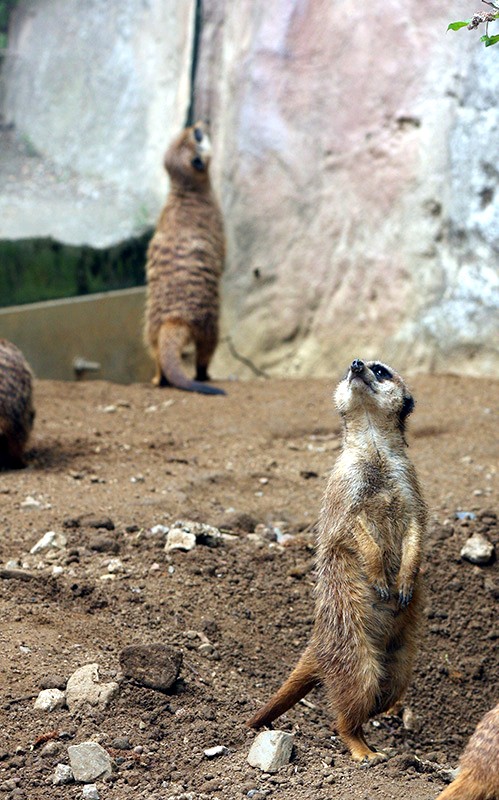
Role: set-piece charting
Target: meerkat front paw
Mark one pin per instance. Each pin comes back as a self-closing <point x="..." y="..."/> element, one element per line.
<point x="382" y="591"/>
<point x="405" y="595"/>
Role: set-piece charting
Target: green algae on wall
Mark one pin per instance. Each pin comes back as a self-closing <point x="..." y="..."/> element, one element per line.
<point x="33" y="270"/>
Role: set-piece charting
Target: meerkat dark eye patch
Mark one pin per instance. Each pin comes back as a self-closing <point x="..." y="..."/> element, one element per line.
<point x="381" y="372"/>
<point x="198" y="134"/>
<point x="198" y="164"/>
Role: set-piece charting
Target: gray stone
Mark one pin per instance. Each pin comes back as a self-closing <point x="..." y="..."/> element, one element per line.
<point x="50" y="749"/>
<point x="50" y="699"/>
<point x="84" y="687"/>
<point x="90" y="792"/>
<point x="89" y="761"/>
<point x="156" y="666"/>
<point x="178" y="539"/>
<point x="271" y="750"/>
<point x="63" y="774"/>
<point x="478" y="550"/>
<point x="121" y="743"/>
<point x="103" y="544"/>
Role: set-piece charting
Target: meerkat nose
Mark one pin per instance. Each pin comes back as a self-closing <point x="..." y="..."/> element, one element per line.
<point x="357" y="365"/>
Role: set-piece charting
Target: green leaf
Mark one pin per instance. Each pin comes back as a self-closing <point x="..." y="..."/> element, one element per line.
<point x="454" y="26"/>
<point x="490" y="40"/>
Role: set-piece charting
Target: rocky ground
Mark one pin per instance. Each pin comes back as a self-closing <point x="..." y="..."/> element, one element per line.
<point x="108" y="464"/>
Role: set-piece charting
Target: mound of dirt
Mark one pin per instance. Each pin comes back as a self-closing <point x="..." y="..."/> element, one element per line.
<point x="110" y="469"/>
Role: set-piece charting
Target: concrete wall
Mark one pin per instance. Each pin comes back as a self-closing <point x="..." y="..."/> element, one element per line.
<point x="104" y="328"/>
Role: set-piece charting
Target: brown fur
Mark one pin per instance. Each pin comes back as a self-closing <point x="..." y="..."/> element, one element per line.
<point x="368" y="597"/>
<point x="16" y="405"/>
<point x="184" y="265"/>
<point x="478" y="777"/>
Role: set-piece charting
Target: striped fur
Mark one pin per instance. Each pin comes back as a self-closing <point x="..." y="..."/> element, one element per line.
<point x="16" y="405"/>
<point x="478" y="777"/>
<point x="368" y="598"/>
<point x="184" y="265"/>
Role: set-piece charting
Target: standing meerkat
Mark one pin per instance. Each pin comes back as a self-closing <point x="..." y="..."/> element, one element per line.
<point x="478" y="776"/>
<point x="16" y="405"/>
<point x="184" y="265"/>
<point x="368" y="597"/>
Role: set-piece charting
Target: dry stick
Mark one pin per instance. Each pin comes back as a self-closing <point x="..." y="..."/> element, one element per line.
<point x="244" y="360"/>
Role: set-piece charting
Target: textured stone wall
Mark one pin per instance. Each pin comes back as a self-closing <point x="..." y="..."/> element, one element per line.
<point x="354" y="152"/>
<point x="355" y="156"/>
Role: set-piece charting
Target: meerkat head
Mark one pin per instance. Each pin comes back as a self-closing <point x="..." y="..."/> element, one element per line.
<point x="376" y="388"/>
<point x="188" y="156"/>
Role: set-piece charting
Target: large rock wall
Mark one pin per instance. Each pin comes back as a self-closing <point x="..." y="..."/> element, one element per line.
<point x="355" y="153"/>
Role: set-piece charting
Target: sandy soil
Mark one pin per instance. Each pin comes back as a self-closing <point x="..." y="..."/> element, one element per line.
<point x="142" y="457"/>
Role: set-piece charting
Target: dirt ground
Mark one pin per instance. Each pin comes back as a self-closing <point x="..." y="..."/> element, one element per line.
<point x="139" y="457"/>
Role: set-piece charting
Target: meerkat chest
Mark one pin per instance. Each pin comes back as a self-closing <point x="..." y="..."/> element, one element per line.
<point x="381" y="489"/>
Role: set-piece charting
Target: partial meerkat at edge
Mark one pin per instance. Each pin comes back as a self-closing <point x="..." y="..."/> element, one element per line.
<point x="368" y="596"/>
<point x="478" y="776"/>
<point x="185" y="260"/>
<point x="16" y="405"/>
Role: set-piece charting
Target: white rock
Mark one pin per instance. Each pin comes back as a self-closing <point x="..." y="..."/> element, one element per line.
<point x="115" y="565"/>
<point x="31" y="502"/>
<point x="178" y="539"/>
<point x="271" y="750"/>
<point x="49" y="540"/>
<point x="214" y="752"/>
<point x="204" y="533"/>
<point x="84" y="687"/>
<point x="158" y="529"/>
<point x="50" y="699"/>
<point x="478" y="549"/>
<point x="63" y="774"/>
<point x="89" y="761"/>
<point x="410" y="720"/>
<point x="90" y="792"/>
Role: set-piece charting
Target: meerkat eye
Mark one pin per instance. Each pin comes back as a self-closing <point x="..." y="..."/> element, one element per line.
<point x="198" y="134"/>
<point x="381" y="372"/>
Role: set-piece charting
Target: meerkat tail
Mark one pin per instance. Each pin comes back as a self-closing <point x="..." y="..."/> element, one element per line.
<point x="173" y="337"/>
<point x="302" y="680"/>
<point x="464" y="787"/>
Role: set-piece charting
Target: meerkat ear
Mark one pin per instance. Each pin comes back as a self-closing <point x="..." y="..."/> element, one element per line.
<point x="198" y="164"/>
<point x="407" y="408"/>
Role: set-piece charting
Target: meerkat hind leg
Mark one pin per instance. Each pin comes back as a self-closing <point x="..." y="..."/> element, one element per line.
<point x="204" y="352"/>
<point x="356" y="743"/>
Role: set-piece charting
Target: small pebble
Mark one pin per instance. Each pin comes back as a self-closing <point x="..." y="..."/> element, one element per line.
<point x="63" y="774"/>
<point x="214" y="752"/>
<point x="89" y="792"/>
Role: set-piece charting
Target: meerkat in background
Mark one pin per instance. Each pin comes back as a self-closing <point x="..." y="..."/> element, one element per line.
<point x="184" y="264"/>
<point x="478" y="776"/>
<point x="16" y="405"/>
<point x="368" y="596"/>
